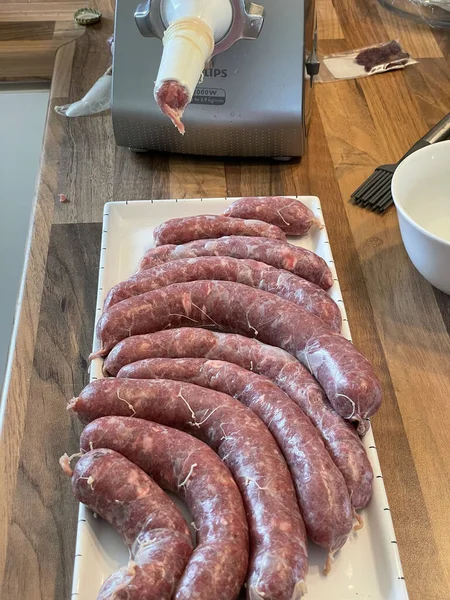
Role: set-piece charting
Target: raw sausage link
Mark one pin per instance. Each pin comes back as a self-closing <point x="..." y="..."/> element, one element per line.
<point x="290" y="215"/>
<point x="248" y="272"/>
<point x="188" y="468"/>
<point x="346" y="376"/>
<point x="328" y="522"/>
<point x="203" y="227"/>
<point x="280" y="255"/>
<point x="339" y="436"/>
<point x="278" y="557"/>
<point x="149" y="522"/>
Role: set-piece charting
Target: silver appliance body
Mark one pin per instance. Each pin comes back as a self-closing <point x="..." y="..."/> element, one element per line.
<point x="253" y="100"/>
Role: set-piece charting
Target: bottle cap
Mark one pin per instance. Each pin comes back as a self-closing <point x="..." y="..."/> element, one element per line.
<point x="87" y="16"/>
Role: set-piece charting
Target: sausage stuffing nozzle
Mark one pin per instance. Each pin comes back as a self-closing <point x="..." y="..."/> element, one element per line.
<point x="192" y="31"/>
<point x="188" y="45"/>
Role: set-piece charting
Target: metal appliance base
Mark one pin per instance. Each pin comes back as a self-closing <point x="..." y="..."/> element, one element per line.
<point x="251" y="100"/>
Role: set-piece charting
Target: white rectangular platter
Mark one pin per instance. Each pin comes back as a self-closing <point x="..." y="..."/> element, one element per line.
<point x="368" y="567"/>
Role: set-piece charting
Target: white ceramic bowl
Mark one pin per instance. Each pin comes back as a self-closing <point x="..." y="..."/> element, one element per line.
<point x="421" y="192"/>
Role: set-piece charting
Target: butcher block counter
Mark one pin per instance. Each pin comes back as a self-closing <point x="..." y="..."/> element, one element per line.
<point x="397" y="319"/>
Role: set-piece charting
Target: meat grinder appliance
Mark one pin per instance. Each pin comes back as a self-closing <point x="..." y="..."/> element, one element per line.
<point x="253" y="97"/>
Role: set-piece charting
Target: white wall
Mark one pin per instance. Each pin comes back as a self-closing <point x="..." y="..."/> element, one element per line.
<point x="22" y="120"/>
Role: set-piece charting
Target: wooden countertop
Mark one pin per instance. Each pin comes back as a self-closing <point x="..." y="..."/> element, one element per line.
<point x="30" y="34"/>
<point x="399" y="321"/>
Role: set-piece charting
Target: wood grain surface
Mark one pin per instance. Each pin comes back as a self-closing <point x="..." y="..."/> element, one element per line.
<point x="41" y="535"/>
<point x="396" y="317"/>
<point x="30" y="35"/>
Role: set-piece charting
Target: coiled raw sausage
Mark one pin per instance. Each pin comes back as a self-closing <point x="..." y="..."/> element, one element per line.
<point x="278" y="557"/>
<point x="339" y="436"/>
<point x="187" y="229"/>
<point x="188" y="468"/>
<point x="328" y="522"/>
<point x="149" y="522"/>
<point x="290" y="215"/>
<point x="346" y="376"/>
<point x="248" y="272"/>
<point x="276" y="253"/>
